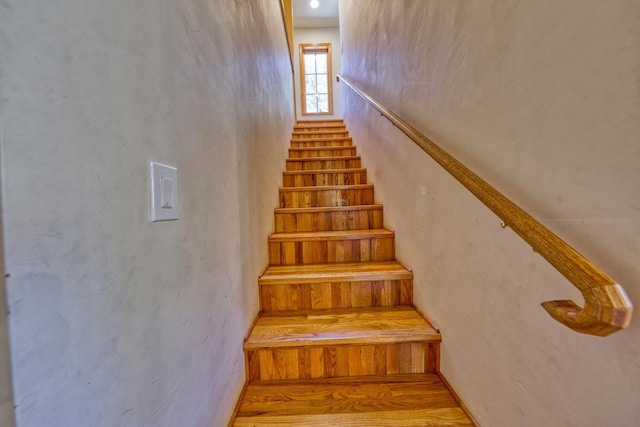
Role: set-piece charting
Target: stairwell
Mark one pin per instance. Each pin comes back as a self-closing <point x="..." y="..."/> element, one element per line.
<point x="338" y="340"/>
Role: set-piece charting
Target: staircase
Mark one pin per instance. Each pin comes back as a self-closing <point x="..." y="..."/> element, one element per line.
<point x="337" y="341"/>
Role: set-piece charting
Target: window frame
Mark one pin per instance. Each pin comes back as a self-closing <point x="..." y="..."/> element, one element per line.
<point x="320" y="48"/>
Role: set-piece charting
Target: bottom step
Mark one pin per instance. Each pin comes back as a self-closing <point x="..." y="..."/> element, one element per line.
<point x="390" y="400"/>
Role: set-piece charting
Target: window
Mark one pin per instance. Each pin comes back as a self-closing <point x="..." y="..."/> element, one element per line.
<point x="315" y="75"/>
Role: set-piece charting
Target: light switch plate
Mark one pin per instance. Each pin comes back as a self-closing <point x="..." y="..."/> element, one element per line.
<point x="164" y="192"/>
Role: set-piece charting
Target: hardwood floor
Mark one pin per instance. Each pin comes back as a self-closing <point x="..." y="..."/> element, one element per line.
<point x="337" y="341"/>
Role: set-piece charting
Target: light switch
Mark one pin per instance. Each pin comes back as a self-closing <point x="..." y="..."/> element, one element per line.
<point x="163" y="192"/>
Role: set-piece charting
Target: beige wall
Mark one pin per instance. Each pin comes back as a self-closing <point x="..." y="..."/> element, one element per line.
<point x="319" y="35"/>
<point x="6" y="391"/>
<point x="116" y="321"/>
<point x="541" y="98"/>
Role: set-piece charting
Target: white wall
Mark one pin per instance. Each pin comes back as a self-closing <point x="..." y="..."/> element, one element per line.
<point x="319" y="35"/>
<point x="542" y="99"/>
<point x="116" y="321"/>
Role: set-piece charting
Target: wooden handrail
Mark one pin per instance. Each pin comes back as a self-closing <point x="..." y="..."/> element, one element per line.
<point x="607" y="308"/>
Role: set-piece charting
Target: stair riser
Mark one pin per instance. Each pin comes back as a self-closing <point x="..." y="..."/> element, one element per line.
<point x="325" y="178"/>
<point x="318" y="198"/>
<point x="322" y="152"/>
<point x="320" y="296"/>
<point x="322" y="251"/>
<point x="318" y="135"/>
<point x="325" y="221"/>
<point x="345" y="142"/>
<point x="342" y="361"/>
<point x="298" y="165"/>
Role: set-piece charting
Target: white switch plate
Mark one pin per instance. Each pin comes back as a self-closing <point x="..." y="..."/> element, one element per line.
<point x="164" y="192"/>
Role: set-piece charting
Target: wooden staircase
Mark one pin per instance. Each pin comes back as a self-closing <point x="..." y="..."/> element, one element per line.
<point x="337" y="340"/>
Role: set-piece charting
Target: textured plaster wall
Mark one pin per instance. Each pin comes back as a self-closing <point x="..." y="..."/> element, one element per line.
<point x="542" y="99"/>
<point x="319" y="35"/>
<point x="116" y="321"/>
<point x="6" y="395"/>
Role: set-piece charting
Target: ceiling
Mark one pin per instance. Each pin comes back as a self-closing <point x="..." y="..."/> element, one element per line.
<point x="326" y="15"/>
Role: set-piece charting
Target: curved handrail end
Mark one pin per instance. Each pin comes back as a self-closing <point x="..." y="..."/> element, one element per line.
<point x="607" y="310"/>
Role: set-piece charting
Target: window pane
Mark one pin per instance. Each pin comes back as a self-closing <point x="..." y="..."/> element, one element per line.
<point x="310" y="82"/>
<point x="322" y="84"/>
<point x="323" y="103"/>
<point x="309" y="63"/>
<point x="312" y="104"/>
<point x="321" y="63"/>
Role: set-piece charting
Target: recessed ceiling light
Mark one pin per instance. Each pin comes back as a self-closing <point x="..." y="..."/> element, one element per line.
<point x="314" y="4"/>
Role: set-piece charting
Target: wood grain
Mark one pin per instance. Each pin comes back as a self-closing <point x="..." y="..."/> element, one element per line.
<point x="355" y="217"/>
<point x="319" y="134"/>
<point x="342" y="272"/>
<point x="322" y="142"/>
<point x="331" y="246"/>
<point x="335" y="361"/>
<point x="325" y="177"/>
<point x="396" y="400"/>
<point x="331" y="195"/>
<point x="330" y="162"/>
<point x="373" y="325"/>
<point x="321" y="151"/>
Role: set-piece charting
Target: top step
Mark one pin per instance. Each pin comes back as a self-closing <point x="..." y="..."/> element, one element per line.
<point x="307" y="126"/>
<point x="330" y="121"/>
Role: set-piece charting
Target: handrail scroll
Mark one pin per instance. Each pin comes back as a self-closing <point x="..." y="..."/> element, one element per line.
<point x="607" y="308"/>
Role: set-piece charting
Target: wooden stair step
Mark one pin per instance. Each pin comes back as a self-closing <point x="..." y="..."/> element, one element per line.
<point x="329" y="162"/>
<point x="323" y="151"/>
<point x="389" y="400"/>
<point x="317" y="247"/>
<point x="357" y="326"/>
<point x="341" y="343"/>
<point x="320" y="129"/>
<point x="355" y="217"/>
<point x="319" y="134"/>
<point x="342" y="285"/>
<point x="320" y="121"/>
<point x="310" y="178"/>
<point x="322" y="142"/>
<point x="334" y="272"/>
<point x="322" y="126"/>
<point x="310" y="236"/>
<point x="326" y="195"/>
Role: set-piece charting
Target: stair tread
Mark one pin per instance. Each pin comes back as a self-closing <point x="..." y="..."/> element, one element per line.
<point x="327" y="187"/>
<point x="320" y="130"/>
<point x="312" y="125"/>
<point x="369" y="325"/>
<point x="389" y="400"/>
<point x="320" y="148"/>
<point x="320" y="120"/>
<point x="317" y="159"/>
<point x="325" y="171"/>
<point x="320" y="209"/>
<point x="322" y="139"/>
<point x="332" y="235"/>
<point x="334" y="272"/>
